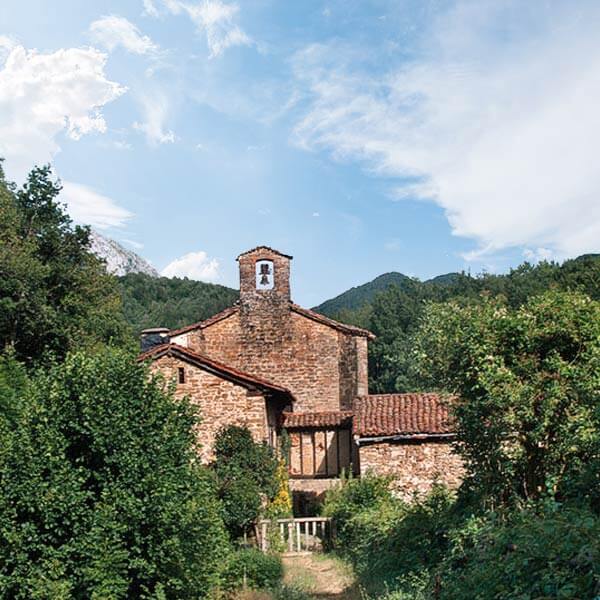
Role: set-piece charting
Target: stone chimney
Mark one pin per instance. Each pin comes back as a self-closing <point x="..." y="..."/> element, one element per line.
<point x="154" y="337"/>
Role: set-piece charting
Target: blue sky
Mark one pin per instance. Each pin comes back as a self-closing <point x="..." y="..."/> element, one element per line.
<point x="361" y="137"/>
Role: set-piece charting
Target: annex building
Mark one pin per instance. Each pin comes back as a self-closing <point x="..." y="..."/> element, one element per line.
<point x="271" y="365"/>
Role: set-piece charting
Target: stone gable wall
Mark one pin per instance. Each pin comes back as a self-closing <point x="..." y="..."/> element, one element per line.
<point x="415" y="466"/>
<point x="324" y="368"/>
<point x="221" y="403"/>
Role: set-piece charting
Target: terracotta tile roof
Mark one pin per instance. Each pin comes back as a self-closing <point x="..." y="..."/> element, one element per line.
<point x="293" y="420"/>
<point x="264" y="248"/>
<point x="401" y="414"/>
<point x="213" y="366"/>
<point x="331" y="323"/>
<point x="210" y="321"/>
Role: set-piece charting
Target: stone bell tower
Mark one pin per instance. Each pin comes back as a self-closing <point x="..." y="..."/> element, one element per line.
<point x="264" y="297"/>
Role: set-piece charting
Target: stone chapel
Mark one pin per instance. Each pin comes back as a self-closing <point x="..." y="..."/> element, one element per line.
<point x="270" y="365"/>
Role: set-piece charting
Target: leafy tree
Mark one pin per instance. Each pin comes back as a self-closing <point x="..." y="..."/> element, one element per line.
<point x="246" y="473"/>
<point x="54" y="294"/>
<point x="528" y="387"/>
<point x="100" y="493"/>
<point x="394" y="317"/>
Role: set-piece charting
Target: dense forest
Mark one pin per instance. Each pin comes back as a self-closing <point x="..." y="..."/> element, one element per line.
<point x="170" y="302"/>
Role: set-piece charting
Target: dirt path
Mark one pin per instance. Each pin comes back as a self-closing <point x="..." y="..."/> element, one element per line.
<point x="321" y="576"/>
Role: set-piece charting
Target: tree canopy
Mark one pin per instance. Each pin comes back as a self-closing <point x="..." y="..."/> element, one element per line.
<point x="55" y="295"/>
<point x="527" y="382"/>
<point x="101" y="495"/>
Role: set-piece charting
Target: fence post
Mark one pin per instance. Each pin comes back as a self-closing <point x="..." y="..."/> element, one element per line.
<point x="264" y="543"/>
<point x="290" y="536"/>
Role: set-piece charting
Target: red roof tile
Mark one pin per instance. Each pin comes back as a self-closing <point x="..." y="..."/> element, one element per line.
<point x="317" y="419"/>
<point x="225" y="371"/>
<point x="401" y="414"/>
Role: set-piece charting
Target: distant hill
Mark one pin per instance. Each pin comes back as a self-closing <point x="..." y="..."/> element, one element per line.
<point x="170" y="302"/>
<point x="447" y="279"/>
<point x="578" y="273"/>
<point x="356" y="297"/>
<point x="119" y="260"/>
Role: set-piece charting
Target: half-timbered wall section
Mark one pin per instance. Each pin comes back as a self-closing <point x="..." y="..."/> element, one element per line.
<point x="321" y="444"/>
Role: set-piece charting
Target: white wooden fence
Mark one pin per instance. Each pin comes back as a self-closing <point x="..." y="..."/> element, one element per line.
<point x="298" y="536"/>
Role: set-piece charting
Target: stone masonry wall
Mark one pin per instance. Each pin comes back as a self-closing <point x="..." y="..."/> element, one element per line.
<point x="415" y="466"/>
<point x="302" y="355"/>
<point x="324" y="368"/>
<point x="221" y="403"/>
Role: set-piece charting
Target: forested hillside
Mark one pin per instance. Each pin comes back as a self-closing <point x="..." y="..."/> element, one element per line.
<point x="170" y="302"/>
<point x="393" y="314"/>
<point x="516" y="285"/>
<point x="358" y="296"/>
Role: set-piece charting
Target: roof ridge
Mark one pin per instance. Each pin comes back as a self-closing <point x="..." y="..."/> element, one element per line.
<point x="226" y="312"/>
<point x="262" y="247"/>
<point x="311" y="314"/>
<point x="158" y="351"/>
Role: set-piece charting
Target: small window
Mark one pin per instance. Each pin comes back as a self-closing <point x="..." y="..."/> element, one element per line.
<point x="181" y="374"/>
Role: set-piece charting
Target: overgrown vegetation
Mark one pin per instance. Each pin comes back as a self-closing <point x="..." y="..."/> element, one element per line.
<point x="524" y="388"/>
<point x="438" y="548"/>
<point x="100" y="493"/>
<point x="246" y="474"/>
<point x="55" y="296"/>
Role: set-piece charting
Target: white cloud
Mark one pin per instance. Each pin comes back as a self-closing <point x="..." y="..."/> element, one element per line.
<point x="316" y="215"/>
<point x="45" y="94"/>
<point x="155" y="107"/>
<point x="214" y="18"/>
<point x="150" y="9"/>
<point x="195" y="265"/>
<point x="537" y="254"/>
<point x="113" y="31"/>
<point x="7" y="43"/>
<point x="497" y="121"/>
<point x="88" y="207"/>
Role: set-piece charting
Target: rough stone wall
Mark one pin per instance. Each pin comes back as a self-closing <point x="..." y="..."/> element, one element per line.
<point x="415" y="466"/>
<point x="362" y="360"/>
<point x="324" y="368"/>
<point x="221" y="403"/>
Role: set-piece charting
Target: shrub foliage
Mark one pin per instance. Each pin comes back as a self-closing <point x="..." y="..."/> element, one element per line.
<point x="99" y="493"/>
<point x="246" y="473"/>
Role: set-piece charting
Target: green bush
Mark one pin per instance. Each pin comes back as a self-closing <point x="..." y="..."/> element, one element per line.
<point x="251" y="568"/>
<point x="100" y="496"/>
<point x="547" y="552"/>
<point x="389" y="542"/>
<point x="246" y="472"/>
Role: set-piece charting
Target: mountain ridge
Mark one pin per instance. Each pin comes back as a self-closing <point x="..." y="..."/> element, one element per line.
<point x="119" y="261"/>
